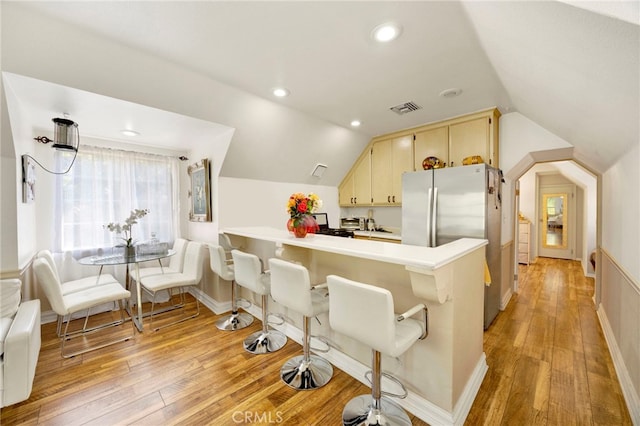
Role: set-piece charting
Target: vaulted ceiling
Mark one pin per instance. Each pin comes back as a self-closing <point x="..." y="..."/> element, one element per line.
<point x="571" y="70"/>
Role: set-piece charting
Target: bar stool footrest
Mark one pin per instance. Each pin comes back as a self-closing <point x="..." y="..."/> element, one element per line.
<point x="324" y="340"/>
<point x="403" y="395"/>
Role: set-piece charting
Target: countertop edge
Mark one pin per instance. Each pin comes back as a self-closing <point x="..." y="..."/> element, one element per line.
<point x="414" y="256"/>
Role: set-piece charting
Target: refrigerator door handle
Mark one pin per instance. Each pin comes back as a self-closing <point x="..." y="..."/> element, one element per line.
<point x="434" y="216"/>
<point x="429" y="197"/>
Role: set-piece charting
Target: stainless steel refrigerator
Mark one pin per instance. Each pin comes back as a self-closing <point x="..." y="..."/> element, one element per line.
<point x="443" y="205"/>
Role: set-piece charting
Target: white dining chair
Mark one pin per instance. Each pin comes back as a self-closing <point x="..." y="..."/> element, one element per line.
<point x="191" y="275"/>
<point x="72" y="286"/>
<point x="65" y="305"/>
<point x="176" y="262"/>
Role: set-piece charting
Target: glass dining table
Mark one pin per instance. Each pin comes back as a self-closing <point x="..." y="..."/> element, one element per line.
<point x="120" y="259"/>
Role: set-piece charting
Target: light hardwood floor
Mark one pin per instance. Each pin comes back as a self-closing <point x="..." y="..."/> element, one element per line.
<point x="548" y="364"/>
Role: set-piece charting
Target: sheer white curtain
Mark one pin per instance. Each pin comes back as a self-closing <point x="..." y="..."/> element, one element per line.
<point x="103" y="186"/>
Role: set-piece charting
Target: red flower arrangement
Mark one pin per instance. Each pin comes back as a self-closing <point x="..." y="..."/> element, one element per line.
<point x="300" y="208"/>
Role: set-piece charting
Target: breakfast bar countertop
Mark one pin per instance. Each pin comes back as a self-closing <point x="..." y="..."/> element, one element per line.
<point x="408" y="255"/>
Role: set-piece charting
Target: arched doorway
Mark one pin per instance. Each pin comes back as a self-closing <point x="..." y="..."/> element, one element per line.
<point x="523" y="183"/>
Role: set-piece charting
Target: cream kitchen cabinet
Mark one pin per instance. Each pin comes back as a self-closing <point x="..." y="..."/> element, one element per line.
<point x="389" y="159"/>
<point x="475" y="136"/>
<point x="524" y="242"/>
<point x="431" y="143"/>
<point x="376" y="178"/>
<point x="355" y="188"/>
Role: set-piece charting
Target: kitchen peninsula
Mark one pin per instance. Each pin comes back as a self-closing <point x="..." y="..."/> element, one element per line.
<point x="443" y="372"/>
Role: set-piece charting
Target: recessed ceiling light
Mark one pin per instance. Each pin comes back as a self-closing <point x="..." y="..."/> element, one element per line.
<point x="128" y="132"/>
<point x="450" y="93"/>
<point x="386" y="32"/>
<point x="355" y="123"/>
<point x="280" y="92"/>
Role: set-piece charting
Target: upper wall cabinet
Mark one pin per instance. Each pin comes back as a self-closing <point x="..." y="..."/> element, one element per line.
<point x="469" y="139"/>
<point x="389" y="159"/>
<point x="431" y="143"/>
<point x="376" y="179"/>
<point x="355" y="188"/>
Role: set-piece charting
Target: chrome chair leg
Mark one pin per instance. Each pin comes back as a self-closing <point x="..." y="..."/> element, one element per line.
<point x="236" y="320"/>
<point x="181" y="304"/>
<point x="66" y="336"/>
<point x="306" y="371"/>
<point x="266" y="340"/>
<point x="374" y="409"/>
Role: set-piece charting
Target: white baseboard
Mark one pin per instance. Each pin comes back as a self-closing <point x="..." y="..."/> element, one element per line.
<point x="213" y="305"/>
<point x="505" y="300"/>
<point x="415" y="404"/>
<point x="630" y="395"/>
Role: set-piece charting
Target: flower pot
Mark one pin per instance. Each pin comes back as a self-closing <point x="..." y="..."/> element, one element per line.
<point x="129" y="252"/>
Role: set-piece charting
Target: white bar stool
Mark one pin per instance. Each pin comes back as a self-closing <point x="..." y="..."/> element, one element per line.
<point x="365" y="313"/>
<point x="249" y="275"/>
<point x="224" y="268"/>
<point x="291" y="287"/>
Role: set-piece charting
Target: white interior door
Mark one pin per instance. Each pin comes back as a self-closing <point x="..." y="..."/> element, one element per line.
<point x="557" y="220"/>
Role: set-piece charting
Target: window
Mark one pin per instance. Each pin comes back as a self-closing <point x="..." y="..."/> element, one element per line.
<point x="103" y="186"/>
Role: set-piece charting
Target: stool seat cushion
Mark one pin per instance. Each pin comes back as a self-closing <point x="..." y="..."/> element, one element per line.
<point x="248" y="273"/>
<point x="291" y="287"/>
<point x="365" y="313"/>
<point x="407" y="333"/>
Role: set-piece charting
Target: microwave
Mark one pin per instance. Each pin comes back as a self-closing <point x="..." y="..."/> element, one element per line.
<point x="353" y="223"/>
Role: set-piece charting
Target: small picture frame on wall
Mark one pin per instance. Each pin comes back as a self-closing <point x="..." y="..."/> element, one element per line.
<point x="28" y="179"/>
<point x="200" y="192"/>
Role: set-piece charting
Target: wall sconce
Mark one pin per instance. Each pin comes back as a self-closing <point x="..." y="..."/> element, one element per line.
<point x="319" y="170"/>
<point x="65" y="138"/>
<point x="65" y="133"/>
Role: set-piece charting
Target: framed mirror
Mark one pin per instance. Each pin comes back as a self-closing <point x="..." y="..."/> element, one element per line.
<point x="200" y="192"/>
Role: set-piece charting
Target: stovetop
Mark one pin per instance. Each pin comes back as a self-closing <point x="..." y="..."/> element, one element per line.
<point x="336" y="232"/>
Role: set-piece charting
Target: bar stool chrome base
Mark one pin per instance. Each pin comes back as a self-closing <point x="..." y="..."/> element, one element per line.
<point x="234" y="321"/>
<point x="305" y="375"/>
<point x="264" y="343"/>
<point x="359" y="412"/>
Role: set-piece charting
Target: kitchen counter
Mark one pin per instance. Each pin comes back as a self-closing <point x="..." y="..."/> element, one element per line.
<point x="378" y="235"/>
<point x="417" y="256"/>
<point x="443" y="372"/>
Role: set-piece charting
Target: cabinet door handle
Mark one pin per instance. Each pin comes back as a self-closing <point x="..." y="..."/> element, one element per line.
<point x="351" y="200"/>
<point x="451" y="164"/>
<point x="388" y="198"/>
<point x="393" y="198"/>
<point x="355" y="200"/>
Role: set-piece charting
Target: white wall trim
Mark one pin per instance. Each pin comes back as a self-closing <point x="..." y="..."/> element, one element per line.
<point x="630" y="395"/>
<point x="505" y="300"/>
<point x="214" y="306"/>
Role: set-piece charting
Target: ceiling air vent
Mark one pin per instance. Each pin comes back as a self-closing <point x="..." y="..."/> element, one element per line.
<point x="405" y="108"/>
